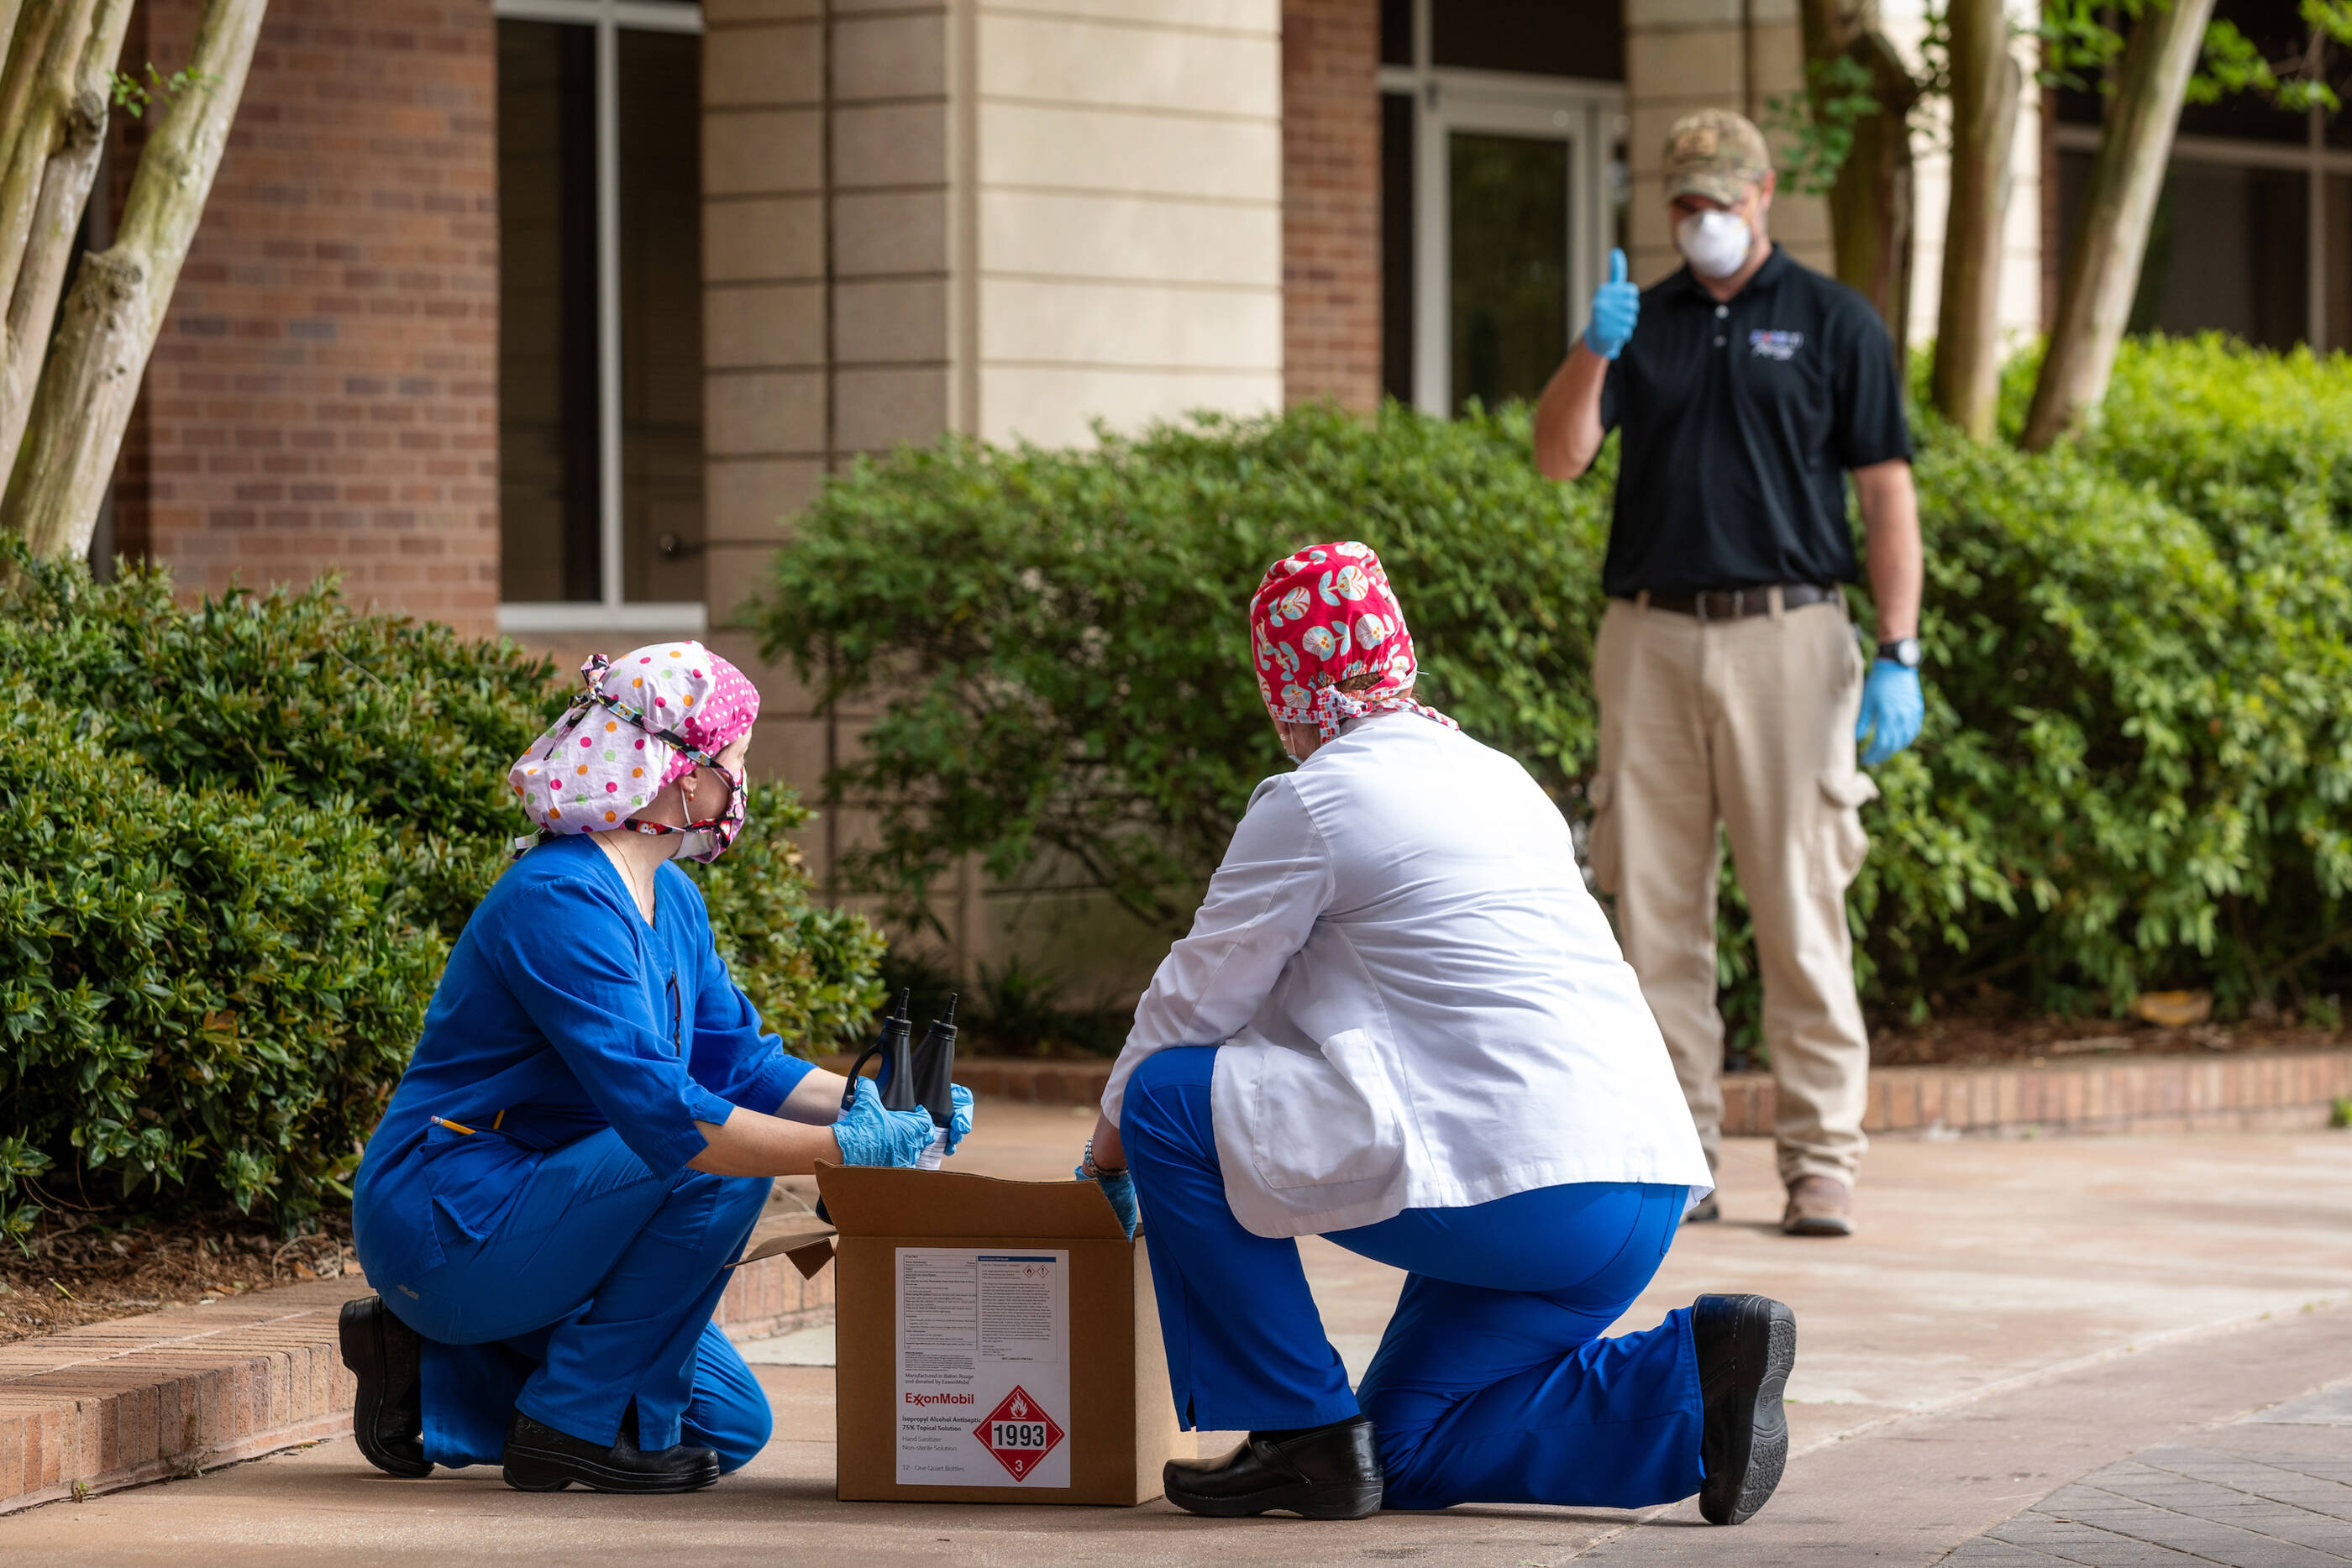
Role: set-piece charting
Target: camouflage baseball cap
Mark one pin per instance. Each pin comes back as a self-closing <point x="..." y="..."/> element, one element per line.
<point x="1717" y="154"/>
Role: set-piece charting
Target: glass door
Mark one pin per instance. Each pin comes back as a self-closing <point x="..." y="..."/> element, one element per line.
<point x="1514" y="220"/>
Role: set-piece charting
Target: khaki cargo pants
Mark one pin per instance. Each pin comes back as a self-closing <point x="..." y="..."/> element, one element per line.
<point x="1749" y="723"/>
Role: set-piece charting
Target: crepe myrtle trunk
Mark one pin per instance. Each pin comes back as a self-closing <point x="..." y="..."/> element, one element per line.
<point x="48" y="159"/>
<point x="1871" y="203"/>
<point x="1965" y="381"/>
<point x="2110" y="237"/>
<point x="91" y="373"/>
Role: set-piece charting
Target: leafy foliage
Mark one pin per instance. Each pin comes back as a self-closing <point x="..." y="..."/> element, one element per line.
<point x="201" y="991"/>
<point x="235" y="841"/>
<point x="2135" y="766"/>
<point x="814" y="972"/>
<point x="1062" y="633"/>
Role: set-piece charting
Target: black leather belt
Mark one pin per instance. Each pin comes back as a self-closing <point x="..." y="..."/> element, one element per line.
<point x="1731" y="604"/>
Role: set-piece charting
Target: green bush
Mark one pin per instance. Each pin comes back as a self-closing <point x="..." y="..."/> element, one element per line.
<point x="1062" y="632"/>
<point x="2134" y="769"/>
<point x="203" y="993"/>
<point x="235" y="842"/>
<point x="814" y="972"/>
<point x="406" y="725"/>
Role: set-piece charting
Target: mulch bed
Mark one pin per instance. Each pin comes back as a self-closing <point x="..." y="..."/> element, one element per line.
<point x="1971" y="1042"/>
<point x="81" y="1269"/>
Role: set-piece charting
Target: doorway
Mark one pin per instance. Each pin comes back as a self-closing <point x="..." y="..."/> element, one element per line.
<point x="1503" y="193"/>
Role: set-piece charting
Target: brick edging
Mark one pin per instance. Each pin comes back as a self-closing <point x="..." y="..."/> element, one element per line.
<point x="185" y="1390"/>
<point x="2240" y="1092"/>
<point x="2105" y="1094"/>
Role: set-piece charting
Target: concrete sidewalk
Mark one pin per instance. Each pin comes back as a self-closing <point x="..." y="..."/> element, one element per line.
<point x="2016" y="1315"/>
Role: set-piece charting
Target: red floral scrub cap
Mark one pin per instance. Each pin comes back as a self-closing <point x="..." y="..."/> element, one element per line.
<point x="1325" y="615"/>
<point x="650" y="717"/>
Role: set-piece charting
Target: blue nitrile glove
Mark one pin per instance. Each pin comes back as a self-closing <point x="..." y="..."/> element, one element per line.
<point x="1615" y="306"/>
<point x="959" y="1122"/>
<point x="870" y="1135"/>
<point x="1118" y="1186"/>
<point x="1892" y="711"/>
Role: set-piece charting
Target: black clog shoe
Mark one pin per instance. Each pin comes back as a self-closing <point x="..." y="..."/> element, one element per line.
<point x="1747" y="1347"/>
<point x="1326" y="1472"/>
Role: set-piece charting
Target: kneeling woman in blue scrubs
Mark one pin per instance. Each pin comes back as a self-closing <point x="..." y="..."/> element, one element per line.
<point x="1400" y="1021"/>
<point x="586" y="1133"/>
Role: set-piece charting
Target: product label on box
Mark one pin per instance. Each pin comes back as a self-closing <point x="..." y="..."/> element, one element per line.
<point x="983" y="1367"/>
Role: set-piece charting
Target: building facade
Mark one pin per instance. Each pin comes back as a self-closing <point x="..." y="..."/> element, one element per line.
<point x="544" y="317"/>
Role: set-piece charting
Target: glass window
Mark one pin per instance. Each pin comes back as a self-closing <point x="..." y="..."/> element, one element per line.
<point x="661" y="316"/>
<point x="1396" y="245"/>
<point x="2336" y="233"/>
<point x="2276" y="28"/>
<point x="548" y="452"/>
<point x="1508" y="247"/>
<point x="1548" y="38"/>
<point x="2227" y="252"/>
<point x="600" y="298"/>
<point x="1396" y="32"/>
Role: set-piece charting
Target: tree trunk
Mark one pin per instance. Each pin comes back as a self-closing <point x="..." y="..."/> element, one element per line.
<point x="1871" y="204"/>
<point x="91" y="380"/>
<point x="2110" y="239"/>
<point x="38" y="102"/>
<point x="1986" y="82"/>
<point x="29" y="27"/>
<point x="78" y="137"/>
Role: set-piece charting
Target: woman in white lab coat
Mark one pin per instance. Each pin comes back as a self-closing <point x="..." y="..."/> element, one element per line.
<point x="1400" y="1021"/>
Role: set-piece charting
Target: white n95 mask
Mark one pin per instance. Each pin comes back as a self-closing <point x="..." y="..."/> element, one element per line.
<point x="1714" y="243"/>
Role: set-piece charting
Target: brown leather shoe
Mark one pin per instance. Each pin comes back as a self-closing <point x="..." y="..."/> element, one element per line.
<point x="1818" y="1205"/>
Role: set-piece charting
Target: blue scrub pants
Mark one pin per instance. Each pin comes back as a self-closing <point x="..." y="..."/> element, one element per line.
<point x="1492" y="1384"/>
<point x="595" y="1289"/>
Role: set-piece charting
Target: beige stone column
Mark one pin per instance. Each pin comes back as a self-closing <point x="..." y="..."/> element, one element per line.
<point x="1010" y="220"/>
<point x="1686" y="55"/>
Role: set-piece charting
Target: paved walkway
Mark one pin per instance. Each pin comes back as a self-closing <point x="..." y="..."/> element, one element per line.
<point x="2016" y="1317"/>
<point x="2270" y="1490"/>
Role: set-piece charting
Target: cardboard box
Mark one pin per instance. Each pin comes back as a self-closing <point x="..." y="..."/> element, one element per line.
<point x="996" y="1342"/>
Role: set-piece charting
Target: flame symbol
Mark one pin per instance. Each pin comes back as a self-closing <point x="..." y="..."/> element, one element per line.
<point x="1021" y="1407"/>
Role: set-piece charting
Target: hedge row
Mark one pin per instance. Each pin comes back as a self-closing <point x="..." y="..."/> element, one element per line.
<point x="2137" y="759"/>
<point x="235" y="841"/>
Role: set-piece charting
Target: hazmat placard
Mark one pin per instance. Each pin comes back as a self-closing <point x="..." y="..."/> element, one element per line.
<point x="983" y="1361"/>
<point x="996" y="1342"/>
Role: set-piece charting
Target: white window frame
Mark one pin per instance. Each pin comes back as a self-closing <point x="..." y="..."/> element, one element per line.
<point x="2313" y="157"/>
<point x="1589" y="116"/>
<point x="611" y="610"/>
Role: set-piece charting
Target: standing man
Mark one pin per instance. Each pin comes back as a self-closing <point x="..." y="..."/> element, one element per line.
<point x="1731" y="686"/>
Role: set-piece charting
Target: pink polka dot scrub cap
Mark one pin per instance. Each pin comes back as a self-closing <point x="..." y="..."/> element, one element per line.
<point x="647" y="719"/>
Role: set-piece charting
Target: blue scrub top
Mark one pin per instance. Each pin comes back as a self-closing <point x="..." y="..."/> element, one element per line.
<point x="561" y="1013"/>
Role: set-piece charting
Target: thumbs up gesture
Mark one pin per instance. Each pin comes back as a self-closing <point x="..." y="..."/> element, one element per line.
<point x="1616" y="305"/>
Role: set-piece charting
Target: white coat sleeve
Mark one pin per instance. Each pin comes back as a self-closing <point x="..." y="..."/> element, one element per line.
<point x="1277" y="879"/>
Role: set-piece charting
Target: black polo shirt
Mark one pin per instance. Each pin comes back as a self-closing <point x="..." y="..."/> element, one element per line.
<point x="1740" y="423"/>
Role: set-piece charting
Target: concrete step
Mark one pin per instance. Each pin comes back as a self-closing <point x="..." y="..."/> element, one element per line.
<point x="187" y="1389"/>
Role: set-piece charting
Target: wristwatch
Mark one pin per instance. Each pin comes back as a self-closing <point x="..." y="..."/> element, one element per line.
<point x="1903" y="650"/>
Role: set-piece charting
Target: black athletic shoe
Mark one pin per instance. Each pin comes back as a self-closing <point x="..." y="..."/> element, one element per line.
<point x="1323" y="1472"/>
<point x="541" y="1459"/>
<point x="387" y="1414"/>
<point x="1747" y="1345"/>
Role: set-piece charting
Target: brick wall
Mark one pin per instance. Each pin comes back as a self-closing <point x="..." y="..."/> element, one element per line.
<point x="323" y="395"/>
<point x="1331" y="200"/>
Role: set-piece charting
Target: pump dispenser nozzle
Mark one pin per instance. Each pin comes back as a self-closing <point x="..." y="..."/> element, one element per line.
<point x="897" y="1079"/>
<point x="934" y="1068"/>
